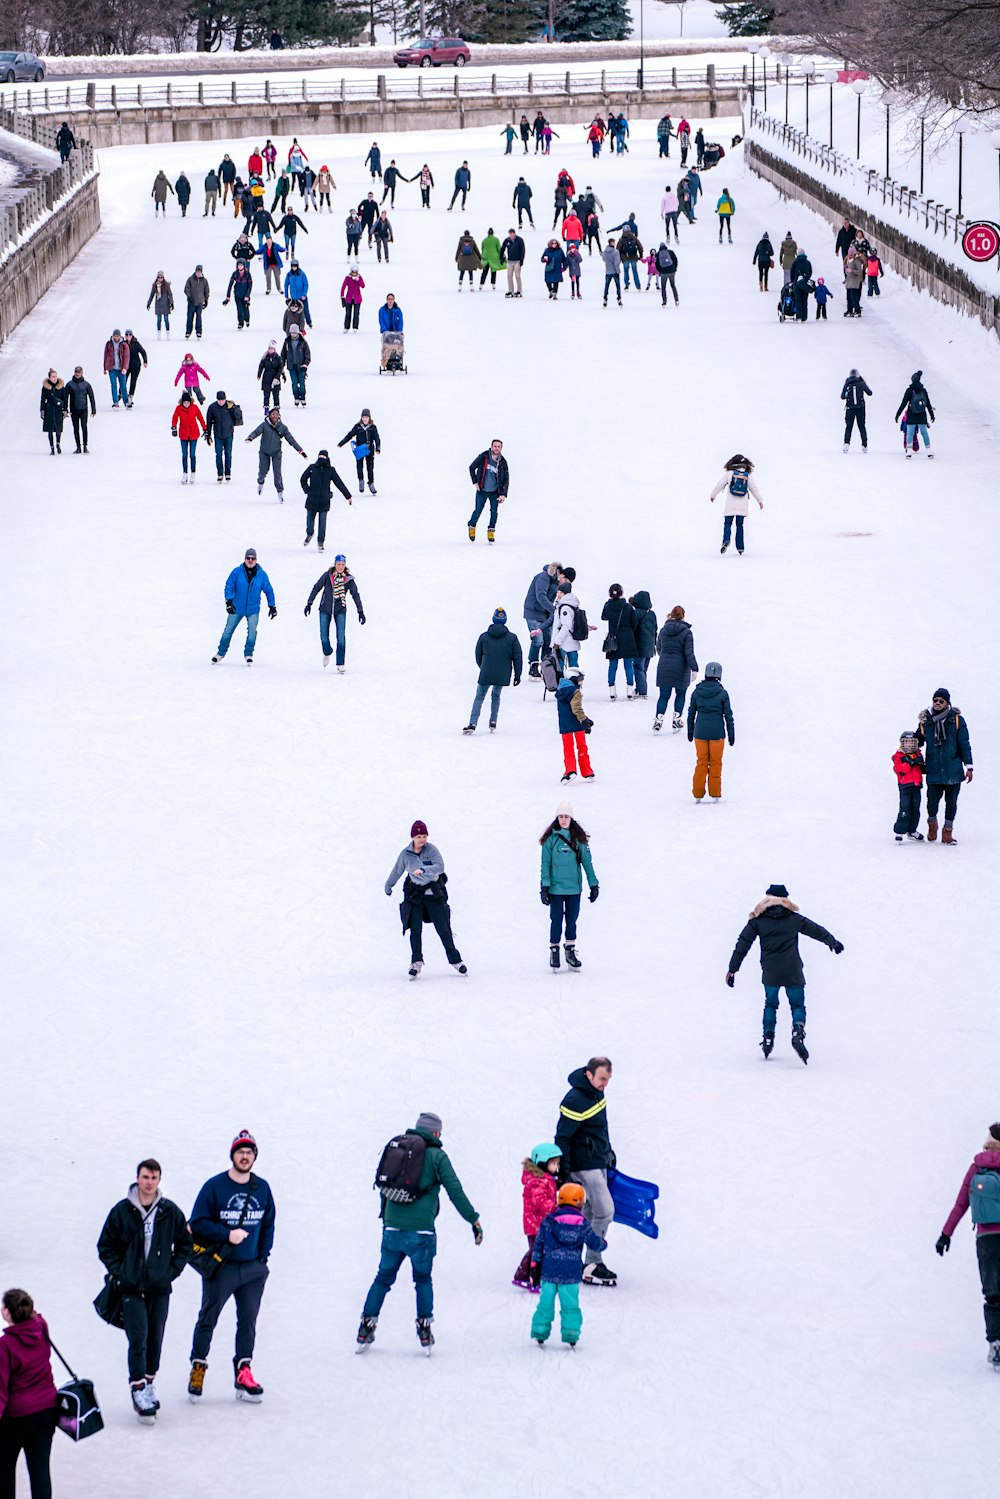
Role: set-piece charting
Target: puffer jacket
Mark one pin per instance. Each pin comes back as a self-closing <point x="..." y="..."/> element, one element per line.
<point x="677" y="658"/>
<point x="498" y="653"/>
<point x="948" y="760"/>
<point x="645" y="627"/>
<point x="539" y="1189"/>
<point x="776" y="921"/>
<point x="787" y="252"/>
<point x="710" y="715"/>
<point x="244" y="588"/>
<point x="612" y="260"/>
<point x="559" y="1244"/>
<point x="187" y="421"/>
<point x="563" y="867"/>
<point x="539" y="600"/>
<point x="569" y="702"/>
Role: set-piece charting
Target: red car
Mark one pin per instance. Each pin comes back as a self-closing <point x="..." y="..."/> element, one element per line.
<point x="433" y="51"/>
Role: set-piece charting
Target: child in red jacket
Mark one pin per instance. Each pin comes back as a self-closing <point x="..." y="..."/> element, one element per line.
<point x="908" y="763"/>
<point x="540" y="1183"/>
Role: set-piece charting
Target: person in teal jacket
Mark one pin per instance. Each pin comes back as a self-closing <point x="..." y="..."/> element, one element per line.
<point x="565" y="860"/>
<point x="408" y="1233"/>
<point x="243" y="590"/>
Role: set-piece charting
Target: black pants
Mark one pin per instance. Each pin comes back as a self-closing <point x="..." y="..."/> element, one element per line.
<point x="425" y="197"/>
<point x="821" y="310"/>
<point x="909" y="810"/>
<point x="316" y="521"/>
<point x="593" y="236"/>
<point x="464" y="191"/>
<point x="762" y="271"/>
<point x="520" y="216"/>
<point x="351" y="310"/>
<point x="988" y="1255"/>
<point x="666" y="276"/>
<point x="352" y="244"/>
<point x="245" y="1283"/>
<point x="853" y="301"/>
<point x="440" y="916"/>
<point x="855" y="414"/>
<point x="31" y="1435"/>
<point x="193" y="320"/>
<point x="79" y="420"/>
<point x="390" y="193"/>
<point x="950" y="806"/>
<point x="145" y="1318"/>
<point x="133" y="377"/>
<point x="488" y="272"/>
<point x="369" y="461"/>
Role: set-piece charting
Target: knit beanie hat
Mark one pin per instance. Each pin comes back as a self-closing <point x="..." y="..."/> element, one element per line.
<point x="995" y="1133"/>
<point x="572" y="1195"/>
<point x="943" y="692"/>
<point x="499" y="616"/>
<point x="569" y="573"/>
<point x="778" y="890"/>
<point x="418" y="828"/>
<point x="430" y="1122"/>
<point x="564" y="809"/>
<point x="244" y="1141"/>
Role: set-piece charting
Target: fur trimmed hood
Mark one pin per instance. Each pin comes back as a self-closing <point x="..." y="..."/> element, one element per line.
<point x="772" y="900"/>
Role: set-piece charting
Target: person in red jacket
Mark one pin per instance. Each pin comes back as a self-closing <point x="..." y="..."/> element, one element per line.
<point x="255" y="163"/>
<point x="595" y="136"/>
<point x="981" y="1189"/>
<point x="572" y="229"/>
<point x="908" y="763"/>
<point x="27" y="1395"/>
<point x="188" y="424"/>
<point x="540" y="1185"/>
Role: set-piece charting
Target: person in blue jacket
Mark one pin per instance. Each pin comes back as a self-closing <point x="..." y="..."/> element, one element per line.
<point x="297" y="289"/>
<point x="539" y="612"/>
<point x="556" y="1265"/>
<point x="822" y="295"/>
<point x="944" y="737"/>
<point x="243" y="590"/>
<point x="554" y="261"/>
<point x="390" y="315"/>
<point x="233" y="1214"/>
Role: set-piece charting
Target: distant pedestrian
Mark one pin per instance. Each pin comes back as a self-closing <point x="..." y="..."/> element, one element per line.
<point x="65" y="141"/>
<point x="80" y="395"/>
<point x="874" y="271"/>
<point x="763" y="259"/>
<point x="908" y="767"/>
<point x="612" y="271"/>
<point x="426" y="180"/>
<point x="182" y="187"/>
<point x="161" y="299"/>
<point x="522" y="202"/>
<point x="574" y="726"/>
<point x="491" y="476"/>
<point x="196" y="289"/>
<point x="116" y="357"/>
<point x="512" y="253"/>
<point x="463" y="185"/>
<point x="191" y="372"/>
<point x="916" y="403"/>
<point x="674" y="668"/>
<point x="138" y="360"/>
<point x="161" y="186"/>
<point x="220" y="428"/>
<point x="944" y="735"/>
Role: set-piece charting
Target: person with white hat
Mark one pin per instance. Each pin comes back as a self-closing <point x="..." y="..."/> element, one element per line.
<point x="565" y="860"/>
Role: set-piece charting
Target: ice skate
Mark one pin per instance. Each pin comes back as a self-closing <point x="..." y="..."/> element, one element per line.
<point x="416" y="968"/>
<point x="493" y="727"/>
<point x="247" y="1387"/>
<point x="599" y="1275"/>
<point x="572" y="961"/>
<point x="658" y="723"/>
<point x="799" y="1041"/>
<point x="196" y="1379"/>
<point x="613" y="694"/>
<point x="460" y="969"/>
<point x="554" y="956"/>
<point x="915" y="837"/>
<point x="677" y="723"/>
<point x="569" y="776"/>
<point x="425" y="1335"/>
<point x="470" y="728"/>
<point x="993" y="1355"/>
<point x="144" y="1405"/>
<point x="767" y="1045"/>
<point x="366" y="1333"/>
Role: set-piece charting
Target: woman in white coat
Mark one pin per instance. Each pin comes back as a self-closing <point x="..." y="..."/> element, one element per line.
<point x="738" y="483"/>
<point x="564" y="618"/>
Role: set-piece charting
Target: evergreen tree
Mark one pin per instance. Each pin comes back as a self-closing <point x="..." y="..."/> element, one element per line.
<point x="592" y="20"/>
<point x="513" y="20"/>
<point x="464" y="18"/>
<point x="747" y="18"/>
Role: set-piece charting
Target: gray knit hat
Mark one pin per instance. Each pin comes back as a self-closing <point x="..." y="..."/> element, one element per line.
<point x="430" y="1122"/>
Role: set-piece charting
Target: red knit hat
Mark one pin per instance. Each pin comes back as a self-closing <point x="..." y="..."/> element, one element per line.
<point x="244" y="1141"/>
<point x="418" y="828"/>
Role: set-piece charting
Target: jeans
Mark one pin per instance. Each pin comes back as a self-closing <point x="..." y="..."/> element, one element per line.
<point x="164" y="318"/>
<point x="665" y="146"/>
<point x="855" y="414"/>
<point x="31" y="1435"/>
<point x="563" y="907"/>
<point x="873" y="287"/>
<point x="399" y="1244"/>
<point x="633" y="266"/>
<point x="119" y="389"/>
<point x="189" y="450"/>
<point x="245" y="1282"/>
<point x="145" y="1318"/>
<point x="232" y="621"/>
<point x="270" y="461"/>
<point x="193" y="320"/>
<point x="599" y="1207"/>
<point x="909" y="810"/>
<point x="352" y="312"/>
<point x="79" y="420"/>
<point x="339" y="618"/>
<point x="796" y="995"/>
<point x="461" y="278"/>
<point x="570" y="1316"/>
<point x="801" y="294"/>
<point x="575" y="748"/>
<point x="312" y="518"/>
<point x="289" y="243"/>
<point x="223" y="455"/>
<point x="934" y="790"/>
<point x="668" y="220"/>
<point x="538" y="642"/>
<point x="613" y="670"/>
<point x="480" y="505"/>
<point x="708" y="765"/>
<point x="477" y="702"/>
<point x="920" y="427"/>
<point x="437" y="910"/>
<point x="663" y="701"/>
<point x="608" y="279"/>
<point x="569" y="658"/>
<point x="382" y="248"/>
<point x="463" y="191"/>
<point x="297" y="375"/>
<point x="988" y="1255"/>
<point x="727" y="529"/>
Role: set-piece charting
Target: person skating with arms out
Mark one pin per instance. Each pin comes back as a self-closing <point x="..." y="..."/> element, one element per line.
<point x="425" y="898"/>
<point x="244" y="587"/>
<point x="556" y="1265"/>
<point x="583" y="1137"/>
<point x="272" y="432"/>
<point x="565" y="860"/>
<point x="233" y="1219"/>
<point x="980" y="1190"/>
<point x="539" y="1186"/>
<point x="317" y="483"/>
<point x="777" y="923"/>
<point x="738" y="483"/>
<point x="333" y="587"/>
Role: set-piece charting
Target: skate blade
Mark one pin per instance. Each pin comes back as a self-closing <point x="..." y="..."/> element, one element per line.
<point x="149" y="1420"/>
<point x="249" y="1399"/>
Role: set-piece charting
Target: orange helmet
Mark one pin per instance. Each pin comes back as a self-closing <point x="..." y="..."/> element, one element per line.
<point x="571" y="1195"/>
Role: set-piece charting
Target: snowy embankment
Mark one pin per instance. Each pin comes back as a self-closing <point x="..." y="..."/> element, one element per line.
<point x="197" y="935"/>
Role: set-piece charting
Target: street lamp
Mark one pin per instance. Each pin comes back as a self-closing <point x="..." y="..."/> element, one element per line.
<point x="961" y="128"/>
<point x="787" y="70"/>
<point x="753" y="48"/>
<point x="923" y="124"/>
<point x="831" y="79"/>
<point x="890" y="97"/>
<point x="642" y="50"/>
<point x="809" y="73"/>
<point x="765" y="53"/>
<point x="995" y="143"/>
<point x="859" y="85"/>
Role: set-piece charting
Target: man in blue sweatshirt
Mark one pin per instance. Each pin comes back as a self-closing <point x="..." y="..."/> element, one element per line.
<point x="234" y="1215"/>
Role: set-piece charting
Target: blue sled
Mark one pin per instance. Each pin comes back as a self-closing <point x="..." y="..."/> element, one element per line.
<point x="635" y="1203"/>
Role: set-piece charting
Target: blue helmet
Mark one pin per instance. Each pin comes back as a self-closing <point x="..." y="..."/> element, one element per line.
<point x="544" y="1153"/>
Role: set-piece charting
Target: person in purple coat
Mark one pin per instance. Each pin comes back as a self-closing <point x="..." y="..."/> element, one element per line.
<point x="981" y="1189"/>
<point x="27" y="1395"/>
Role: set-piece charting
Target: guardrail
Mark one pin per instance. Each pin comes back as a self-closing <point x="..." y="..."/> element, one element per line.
<point x="45" y="187"/>
<point x="404" y="84"/>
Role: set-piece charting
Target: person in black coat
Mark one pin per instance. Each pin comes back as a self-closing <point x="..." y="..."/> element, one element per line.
<point x="845" y="239"/>
<point x="80" y="395"/>
<point x="675" y="646"/>
<point x="52" y="410"/>
<point x="777" y="923"/>
<point x="335" y="585"/>
<point x="489" y="473"/>
<point x="917" y="404"/>
<point x="270" y="373"/>
<point x="853" y="394"/>
<point x="65" y="140"/>
<point x="522" y="202"/>
<point x="585" y="1145"/>
<point x="498" y="654"/>
<point x="317" y="483"/>
<point x="241" y="287"/>
<point x="365" y="443"/>
<point x="645" y="638"/>
<point x="138" y="361"/>
<point x="763" y="259"/>
<point x="620" y="643"/>
<point x="144" y="1246"/>
<point x="182" y="187"/>
<point x="220" y="428"/>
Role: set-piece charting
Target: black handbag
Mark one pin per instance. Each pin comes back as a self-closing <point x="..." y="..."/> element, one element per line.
<point x="208" y="1259"/>
<point x="610" y="646"/>
<point x="78" y="1411"/>
<point x="108" y="1303"/>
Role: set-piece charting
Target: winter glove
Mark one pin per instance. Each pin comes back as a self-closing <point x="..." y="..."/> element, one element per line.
<point x="173" y="432"/>
<point x="477" y="1231"/>
<point x="307" y="610"/>
<point x="361" y="619"/>
<point x="838" y="947"/>
<point x="544" y="893"/>
<point x="943" y="1245"/>
<point x="230" y="607"/>
<point x="225" y="301"/>
<point x="535" y="1275"/>
<point x="731" y="980"/>
<point x="587" y="725"/>
<point x="517" y="681"/>
<point x="272" y="613"/>
<point x="968" y="774"/>
<point x="595" y="891"/>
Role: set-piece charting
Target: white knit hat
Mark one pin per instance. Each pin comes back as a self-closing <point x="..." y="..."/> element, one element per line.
<point x="564" y="809"/>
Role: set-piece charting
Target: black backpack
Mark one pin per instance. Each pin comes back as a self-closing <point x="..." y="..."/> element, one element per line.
<point x="397" y="1175"/>
<point x="581" y="629"/>
<point x="918" y="404"/>
<point x="236" y="411"/>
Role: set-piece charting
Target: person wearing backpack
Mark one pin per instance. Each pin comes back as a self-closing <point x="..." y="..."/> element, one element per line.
<point x="917" y="405"/>
<point x="777" y="922"/>
<point x="944" y="737"/>
<point x="425" y="898"/>
<point x="467" y="258"/>
<point x="220" y="427"/>
<point x="709" y="720"/>
<point x="409" y="1216"/>
<point x="28" y="1396"/>
<point x="569" y="623"/>
<point x="738" y="483"/>
<point x="666" y="270"/>
<point x="491" y="476"/>
<point x="677" y="661"/>
<point x="566" y="859"/>
<point x="620" y="642"/>
<point x="498" y="654"/>
<point x="853" y="395"/>
<point x="980" y="1190"/>
<point x="574" y="726"/>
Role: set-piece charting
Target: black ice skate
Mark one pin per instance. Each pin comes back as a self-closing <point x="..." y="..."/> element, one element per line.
<point x="799" y="1041"/>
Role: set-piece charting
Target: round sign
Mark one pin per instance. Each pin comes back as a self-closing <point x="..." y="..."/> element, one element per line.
<point x="981" y="241"/>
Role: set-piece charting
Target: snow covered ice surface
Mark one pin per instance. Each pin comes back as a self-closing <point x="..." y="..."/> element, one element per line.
<point x="197" y="938"/>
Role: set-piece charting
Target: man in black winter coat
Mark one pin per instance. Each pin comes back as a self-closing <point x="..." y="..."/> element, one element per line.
<point x="368" y="213"/>
<point x="522" y="202"/>
<point x="488" y="472"/>
<point x="144" y="1246"/>
<point x="777" y="923"/>
<point x="317" y="483"/>
<point x="853" y="394"/>
<point x="512" y="254"/>
<point x="845" y="239"/>
<point x="585" y="1145"/>
<point x="81" y="394"/>
<point x="220" y="426"/>
<point x="498" y="653"/>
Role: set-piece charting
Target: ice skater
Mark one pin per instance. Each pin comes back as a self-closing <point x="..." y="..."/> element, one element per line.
<point x="244" y="587"/>
<point x="566" y="858"/>
<point x="425" y="898"/>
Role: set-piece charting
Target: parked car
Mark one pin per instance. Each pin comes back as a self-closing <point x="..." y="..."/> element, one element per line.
<point x="15" y="67"/>
<point x="433" y="51"/>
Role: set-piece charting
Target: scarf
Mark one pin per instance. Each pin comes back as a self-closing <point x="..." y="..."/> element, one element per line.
<point x="339" y="581"/>
<point x="940" y="722"/>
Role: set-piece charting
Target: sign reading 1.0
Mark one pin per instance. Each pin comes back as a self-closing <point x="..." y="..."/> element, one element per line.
<point x="981" y="241"/>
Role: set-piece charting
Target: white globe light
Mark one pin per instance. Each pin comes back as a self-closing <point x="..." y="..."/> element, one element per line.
<point x="859" y="85"/>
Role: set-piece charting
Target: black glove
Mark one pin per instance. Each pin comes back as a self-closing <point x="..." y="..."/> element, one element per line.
<point x="517" y="681"/>
<point x="731" y="980"/>
<point x="477" y="1231"/>
<point x="544" y="893"/>
<point x="361" y="619"/>
<point x="307" y="610"/>
<point x="838" y="947"/>
<point x="587" y="725"/>
<point x="595" y="891"/>
<point x="173" y="432"/>
<point x="230" y="607"/>
<point x="943" y="1245"/>
<point x="272" y="613"/>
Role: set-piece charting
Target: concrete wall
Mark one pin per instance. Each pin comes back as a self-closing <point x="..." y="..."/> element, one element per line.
<point x="28" y="272"/>
<point x="944" y="282"/>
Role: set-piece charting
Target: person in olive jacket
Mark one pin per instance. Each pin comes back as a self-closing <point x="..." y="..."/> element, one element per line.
<point x="317" y="482"/>
<point x="144" y="1246"/>
<point x="944" y="736"/>
<point x="565" y="860"/>
<point x="621" y="620"/>
<point x="585" y="1143"/>
<point x="335" y="585"/>
<point x="675" y="645"/>
<point x="498" y="653"/>
<point x="710" y="717"/>
<point x="777" y="923"/>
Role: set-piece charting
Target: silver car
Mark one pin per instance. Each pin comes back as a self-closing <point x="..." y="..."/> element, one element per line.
<point x="17" y="67"/>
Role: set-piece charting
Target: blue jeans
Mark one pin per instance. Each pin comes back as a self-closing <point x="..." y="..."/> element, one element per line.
<point x="189" y="449"/>
<point x="477" y="703"/>
<point x="727" y="530"/>
<point x="481" y="498"/>
<point x="297" y="375"/>
<point x="227" y="634"/>
<point x="633" y="266"/>
<point x="340" y="625"/>
<point x="538" y="642"/>
<point x="164" y="318"/>
<point x="628" y="664"/>
<point x="560" y="906"/>
<point x="399" y="1244"/>
<point x="223" y="455"/>
<point x="663" y="701"/>
<point x="119" y="390"/>
<point x="608" y="278"/>
<point x="920" y="427"/>
<point x="571" y="658"/>
<point x="796" y="999"/>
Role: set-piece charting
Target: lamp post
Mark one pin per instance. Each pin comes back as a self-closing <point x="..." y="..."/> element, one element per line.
<point x="809" y="73"/>
<point x="642" y="48"/>
<point x="961" y="128"/>
<point x="765" y="53"/>
<point x="995" y="143"/>
<point x="753" y="48"/>
<point x="831" y="78"/>
<point x="786" y="90"/>
<point x="889" y="97"/>
<point x="859" y="85"/>
<point x="923" y="122"/>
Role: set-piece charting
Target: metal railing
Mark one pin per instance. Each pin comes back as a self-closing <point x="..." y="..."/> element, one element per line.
<point x="45" y="186"/>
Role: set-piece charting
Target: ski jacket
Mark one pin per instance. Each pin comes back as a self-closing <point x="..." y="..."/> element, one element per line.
<point x="985" y="1160"/>
<point x="187" y="421"/>
<point x="677" y="658"/>
<point x="191" y="372"/>
<point x="645" y="627"/>
<point x="351" y="288"/>
<point x="242" y="249"/>
<point x="710" y="715"/>
<point x="725" y="207"/>
<point x="822" y="295"/>
<point x="621" y="621"/>
<point x="296" y="286"/>
<point x="463" y="178"/>
<point x="737" y="504"/>
<point x="26" y="1383"/>
<point x="295" y="352"/>
<point x="665" y="261"/>
<point x="240" y="284"/>
<point x="539" y="599"/>
<point x="244" y="589"/>
<point x="219" y="420"/>
<point x="217" y="1210"/>
<point x="776" y="921"/>
<point x="270" y="370"/>
<point x="52" y="407"/>
<point x="144" y="1249"/>
<point x="873" y="267"/>
<point x="572" y="227"/>
<point x="196" y="289"/>
<point x="787" y="253"/>
<point x="562" y="628"/>
<point x="948" y="760"/>
<point x="161" y="294"/>
<point x="498" y="654"/>
<point x="909" y="768"/>
<point x="801" y="266"/>
<point x="554" y="261"/>
<point x="563" y="867"/>
<point x="317" y="483"/>
<point x="437" y="1172"/>
<point x="559" y="1245"/>
<point x="182" y="187"/>
<point x="512" y="249"/>
<point x="612" y="260"/>
<point x="363" y="436"/>
<point x="582" y="1132"/>
<point x="264" y="224"/>
<point x="255" y="164"/>
<point x="227" y="170"/>
<point x="522" y="196"/>
<point x="539" y="1190"/>
<point x="764" y="253"/>
<point x="477" y="471"/>
<point x="854" y="392"/>
<point x="79" y="392"/>
<point x="390" y="319"/>
<point x="270" y="434"/>
<point x="123" y="355"/>
<point x="569" y="705"/>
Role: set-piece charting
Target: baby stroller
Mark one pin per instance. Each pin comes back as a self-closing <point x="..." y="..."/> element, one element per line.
<point x="786" y="303"/>
<point x="393" y="355"/>
<point x="713" y="155"/>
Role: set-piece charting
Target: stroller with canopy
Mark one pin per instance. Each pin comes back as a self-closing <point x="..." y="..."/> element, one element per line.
<point x="393" y="361"/>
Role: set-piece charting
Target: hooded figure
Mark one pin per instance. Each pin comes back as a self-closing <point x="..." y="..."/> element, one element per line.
<point x="776" y="922"/>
